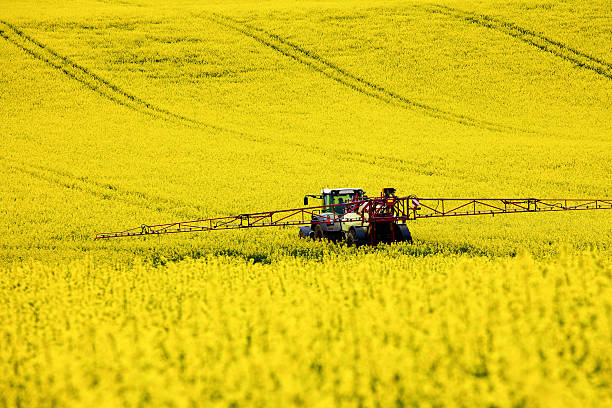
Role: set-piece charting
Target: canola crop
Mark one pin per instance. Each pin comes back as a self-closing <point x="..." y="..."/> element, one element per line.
<point x="115" y="115"/>
<point x="365" y="329"/>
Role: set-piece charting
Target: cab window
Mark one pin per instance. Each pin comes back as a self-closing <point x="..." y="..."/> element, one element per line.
<point x="338" y="199"/>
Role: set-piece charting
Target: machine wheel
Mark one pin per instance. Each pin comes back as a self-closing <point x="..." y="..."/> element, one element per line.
<point x="319" y="234"/>
<point x="305" y="232"/>
<point x="402" y="233"/>
<point x="356" y="236"/>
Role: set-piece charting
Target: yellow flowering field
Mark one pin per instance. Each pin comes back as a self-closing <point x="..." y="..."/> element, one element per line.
<point x="117" y="114"/>
<point x="377" y="329"/>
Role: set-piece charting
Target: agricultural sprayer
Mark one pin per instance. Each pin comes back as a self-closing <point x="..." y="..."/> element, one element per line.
<point x="348" y="214"/>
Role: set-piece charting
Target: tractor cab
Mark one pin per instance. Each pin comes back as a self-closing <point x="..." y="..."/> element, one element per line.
<point x="333" y="196"/>
<point x="339" y="196"/>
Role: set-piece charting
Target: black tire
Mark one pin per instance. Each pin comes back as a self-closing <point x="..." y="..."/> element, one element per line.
<point x="351" y="238"/>
<point x="319" y="234"/>
<point x="402" y="233"/>
<point x="356" y="236"/>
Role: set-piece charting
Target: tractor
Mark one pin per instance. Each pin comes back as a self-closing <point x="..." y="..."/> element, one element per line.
<point x="348" y="215"/>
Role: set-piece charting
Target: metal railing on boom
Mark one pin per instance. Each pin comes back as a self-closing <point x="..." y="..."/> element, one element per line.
<point x="369" y="210"/>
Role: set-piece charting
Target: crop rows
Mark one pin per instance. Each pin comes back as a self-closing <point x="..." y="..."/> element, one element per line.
<point x="92" y="81"/>
<point x="530" y="37"/>
<point x="114" y="93"/>
<point x="105" y="191"/>
<point x="345" y="78"/>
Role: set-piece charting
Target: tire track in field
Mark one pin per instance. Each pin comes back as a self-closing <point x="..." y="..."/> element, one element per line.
<point x="117" y="95"/>
<point x="107" y="89"/>
<point x="92" y="81"/>
<point x="345" y="78"/>
<point x="106" y="191"/>
<point x="527" y="36"/>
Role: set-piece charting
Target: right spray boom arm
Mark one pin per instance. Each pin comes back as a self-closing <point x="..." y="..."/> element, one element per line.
<point x="413" y="208"/>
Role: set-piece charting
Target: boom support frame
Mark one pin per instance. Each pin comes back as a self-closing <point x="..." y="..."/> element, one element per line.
<point x="385" y="209"/>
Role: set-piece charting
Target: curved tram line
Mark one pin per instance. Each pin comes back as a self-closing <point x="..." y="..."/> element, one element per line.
<point x="338" y="74"/>
<point x="525" y="35"/>
<point x="94" y="82"/>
